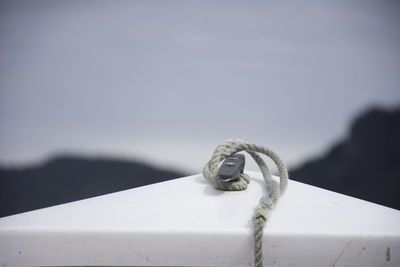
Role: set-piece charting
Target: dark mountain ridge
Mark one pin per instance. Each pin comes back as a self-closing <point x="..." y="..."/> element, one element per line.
<point x="68" y="178"/>
<point x="366" y="164"/>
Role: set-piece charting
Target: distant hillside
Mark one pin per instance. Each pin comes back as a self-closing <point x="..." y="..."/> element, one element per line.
<point x="366" y="165"/>
<point x="69" y="178"/>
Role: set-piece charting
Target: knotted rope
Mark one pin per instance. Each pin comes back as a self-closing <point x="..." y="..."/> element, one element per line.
<point x="266" y="203"/>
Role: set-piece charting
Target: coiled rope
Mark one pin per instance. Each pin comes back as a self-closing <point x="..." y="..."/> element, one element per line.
<point x="266" y="203"/>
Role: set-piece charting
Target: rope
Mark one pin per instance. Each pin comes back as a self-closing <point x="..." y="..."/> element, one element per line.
<point x="266" y="203"/>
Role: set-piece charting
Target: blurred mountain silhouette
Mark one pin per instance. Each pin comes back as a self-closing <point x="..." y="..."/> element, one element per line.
<point x="366" y="164"/>
<point x="68" y="178"/>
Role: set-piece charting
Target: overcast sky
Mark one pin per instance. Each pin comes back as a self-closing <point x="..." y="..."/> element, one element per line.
<point x="165" y="82"/>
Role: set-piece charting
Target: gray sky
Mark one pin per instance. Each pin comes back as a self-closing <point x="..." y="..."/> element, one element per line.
<point x="168" y="81"/>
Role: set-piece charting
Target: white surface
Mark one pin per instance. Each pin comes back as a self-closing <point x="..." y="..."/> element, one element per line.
<point x="186" y="222"/>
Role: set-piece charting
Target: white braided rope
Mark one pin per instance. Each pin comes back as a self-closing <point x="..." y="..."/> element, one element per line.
<point x="266" y="203"/>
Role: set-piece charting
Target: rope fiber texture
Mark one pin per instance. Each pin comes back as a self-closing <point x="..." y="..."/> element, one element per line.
<point x="267" y="202"/>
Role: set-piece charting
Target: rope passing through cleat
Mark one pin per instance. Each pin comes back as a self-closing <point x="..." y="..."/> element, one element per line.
<point x="230" y="176"/>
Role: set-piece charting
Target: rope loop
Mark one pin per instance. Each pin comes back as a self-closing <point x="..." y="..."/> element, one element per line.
<point x="275" y="190"/>
<point x="231" y="147"/>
